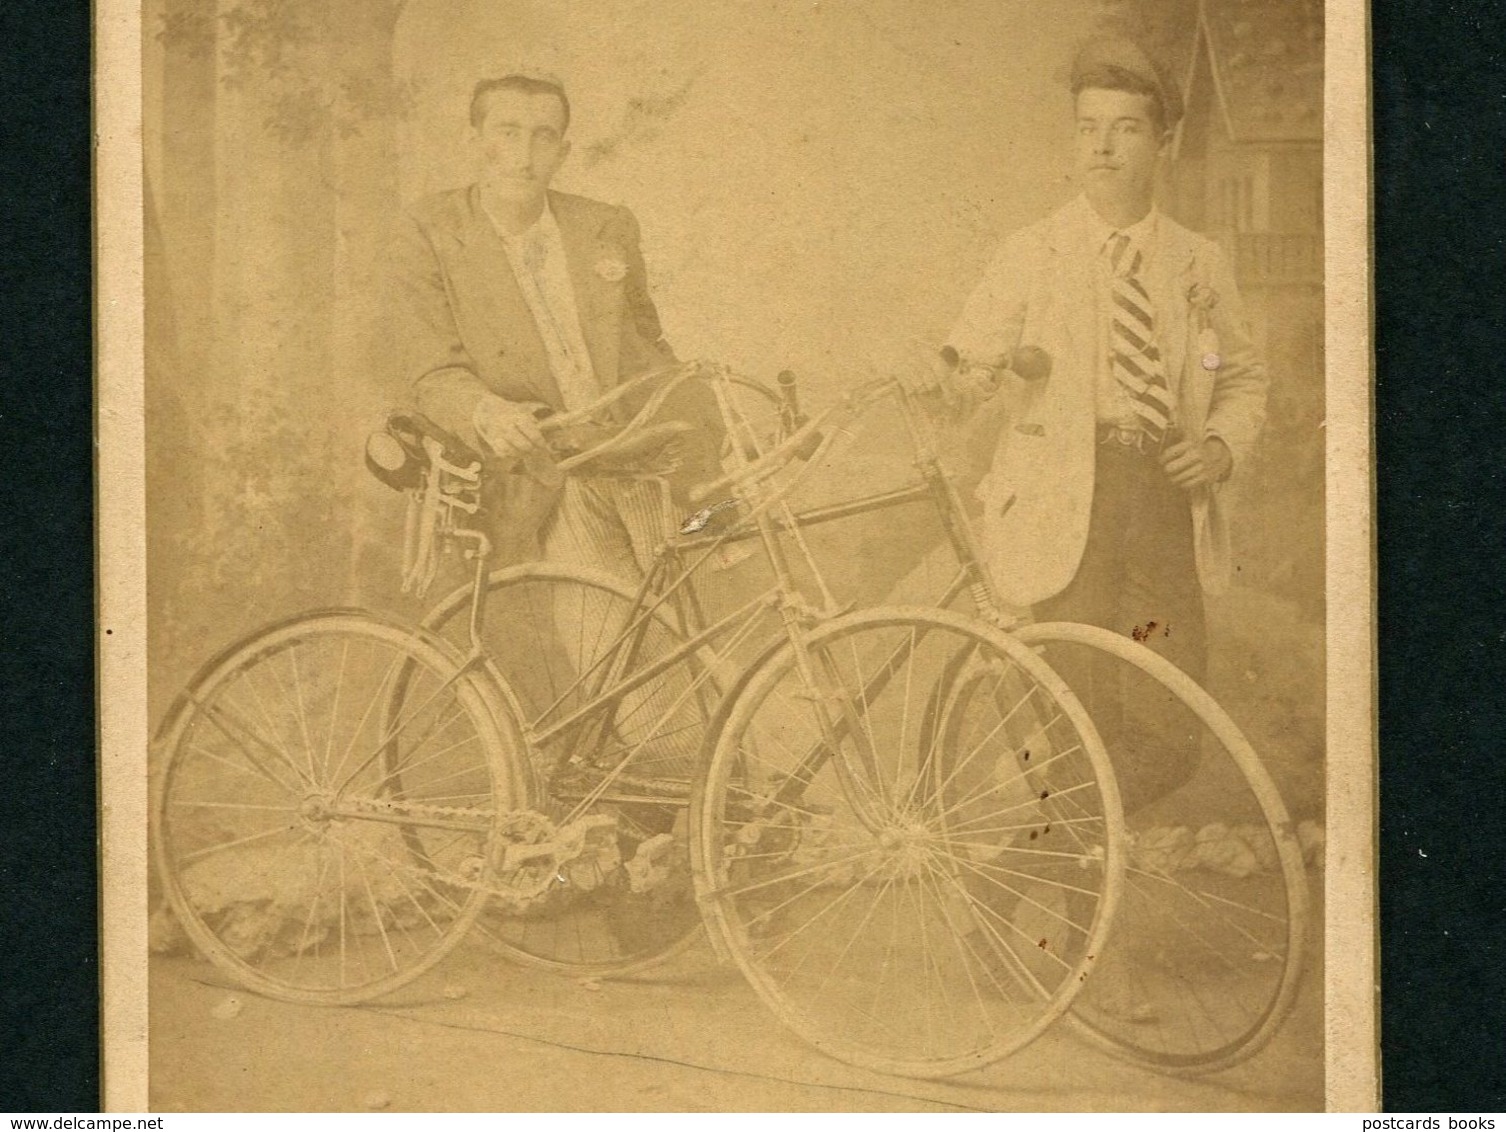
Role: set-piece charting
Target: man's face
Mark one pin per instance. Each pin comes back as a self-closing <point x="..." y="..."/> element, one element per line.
<point x="1118" y="143"/>
<point x="522" y="140"/>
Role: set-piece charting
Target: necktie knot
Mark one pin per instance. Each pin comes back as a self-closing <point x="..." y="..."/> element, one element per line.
<point x="1124" y="259"/>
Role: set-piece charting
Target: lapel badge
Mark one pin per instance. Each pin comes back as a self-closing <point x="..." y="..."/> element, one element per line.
<point x="1207" y="346"/>
<point x="1201" y="299"/>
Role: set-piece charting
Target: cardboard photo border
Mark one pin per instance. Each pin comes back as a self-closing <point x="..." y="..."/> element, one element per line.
<point x="1352" y="1076"/>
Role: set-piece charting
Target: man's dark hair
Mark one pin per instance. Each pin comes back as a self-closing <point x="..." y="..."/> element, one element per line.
<point x="1106" y="76"/>
<point x="528" y="84"/>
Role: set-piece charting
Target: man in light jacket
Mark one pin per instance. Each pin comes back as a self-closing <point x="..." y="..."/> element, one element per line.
<point x="1102" y="504"/>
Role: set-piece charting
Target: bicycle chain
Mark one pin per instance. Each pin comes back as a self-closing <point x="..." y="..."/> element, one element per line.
<point x="515" y="825"/>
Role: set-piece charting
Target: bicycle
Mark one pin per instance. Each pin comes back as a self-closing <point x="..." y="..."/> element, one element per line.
<point x="564" y="815"/>
<point x="1212" y="924"/>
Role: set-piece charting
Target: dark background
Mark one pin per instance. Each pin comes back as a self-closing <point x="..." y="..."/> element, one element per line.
<point x="48" y="963"/>
<point x="1440" y="220"/>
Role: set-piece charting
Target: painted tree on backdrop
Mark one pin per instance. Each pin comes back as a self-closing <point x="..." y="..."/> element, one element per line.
<point x="279" y="176"/>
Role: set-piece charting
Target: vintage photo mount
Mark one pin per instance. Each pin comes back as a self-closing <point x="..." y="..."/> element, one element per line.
<point x="1350" y="895"/>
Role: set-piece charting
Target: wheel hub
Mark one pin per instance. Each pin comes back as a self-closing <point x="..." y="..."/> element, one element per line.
<point x="904" y="844"/>
<point x="316" y="811"/>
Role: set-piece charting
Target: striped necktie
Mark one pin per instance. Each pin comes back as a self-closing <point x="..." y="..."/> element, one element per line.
<point x="1135" y="357"/>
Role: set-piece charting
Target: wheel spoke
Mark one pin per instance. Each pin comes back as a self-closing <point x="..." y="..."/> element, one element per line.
<point x="334" y="713"/>
<point x="267" y="718"/>
<point x="231" y="806"/>
<point x="1003" y="722"/>
<point x="613" y="694"/>
<point x="826" y="909"/>
<point x="1210" y="961"/>
<point x="300" y="712"/>
<point x="378" y="696"/>
<point x="296" y="906"/>
<point x="820" y="866"/>
<point x="884" y="952"/>
<point x="249" y="839"/>
<point x="213" y="715"/>
<point x="396" y="729"/>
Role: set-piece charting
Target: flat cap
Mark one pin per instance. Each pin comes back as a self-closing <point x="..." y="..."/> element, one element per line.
<point x="535" y="74"/>
<point x="1123" y="61"/>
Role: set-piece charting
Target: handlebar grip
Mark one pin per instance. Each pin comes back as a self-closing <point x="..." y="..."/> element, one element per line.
<point x="1029" y="363"/>
<point x="787" y="392"/>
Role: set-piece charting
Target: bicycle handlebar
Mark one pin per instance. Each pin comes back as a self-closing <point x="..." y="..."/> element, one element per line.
<point x="402" y="465"/>
<point x="802" y="444"/>
<point x="398" y="457"/>
<point x="638" y="435"/>
<point x="673" y="377"/>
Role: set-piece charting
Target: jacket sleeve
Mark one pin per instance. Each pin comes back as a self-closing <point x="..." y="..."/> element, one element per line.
<point x="434" y="367"/>
<point x="987" y="333"/>
<point x="642" y="314"/>
<point x="988" y="330"/>
<point x="1237" y="410"/>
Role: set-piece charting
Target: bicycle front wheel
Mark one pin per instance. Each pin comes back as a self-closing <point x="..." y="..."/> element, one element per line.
<point x="1207" y="949"/>
<point x="868" y="841"/>
<point x="329" y="806"/>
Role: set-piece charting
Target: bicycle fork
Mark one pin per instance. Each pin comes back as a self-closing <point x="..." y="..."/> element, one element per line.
<point x="824" y="691"/>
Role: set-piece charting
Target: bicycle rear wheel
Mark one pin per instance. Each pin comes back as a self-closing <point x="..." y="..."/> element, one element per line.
<point x="876" y="871"/>
<point x="321" y="837"/>
<point x="1207" y="949"/>
<point x="615" y="763"/>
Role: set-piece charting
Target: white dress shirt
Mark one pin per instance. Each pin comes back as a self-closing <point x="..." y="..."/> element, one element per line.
<point x="537" y="256"/>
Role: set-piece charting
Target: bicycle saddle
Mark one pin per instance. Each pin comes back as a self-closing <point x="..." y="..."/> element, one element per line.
<point x="649" y="450"/>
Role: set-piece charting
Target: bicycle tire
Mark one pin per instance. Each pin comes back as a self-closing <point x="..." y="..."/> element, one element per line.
<point x="324" y="904"/>
<point x="770" y="794"/>
<point x="1198" y="1023"/>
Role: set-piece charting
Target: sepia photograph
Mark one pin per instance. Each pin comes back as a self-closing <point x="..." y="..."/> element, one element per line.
<point x="741" y="556"/>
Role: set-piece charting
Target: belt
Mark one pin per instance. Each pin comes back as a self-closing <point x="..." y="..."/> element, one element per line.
<point x="1118" y="436"/>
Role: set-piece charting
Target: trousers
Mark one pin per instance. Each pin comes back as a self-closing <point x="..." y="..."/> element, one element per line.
<point x="617" y="526"/>
<point x="1138" y="576"/>
<point x="611" y="525"/>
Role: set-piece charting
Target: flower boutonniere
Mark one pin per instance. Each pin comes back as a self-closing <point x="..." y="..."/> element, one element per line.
<point x="1202" y="298"/>
<point x="611" y="269"/>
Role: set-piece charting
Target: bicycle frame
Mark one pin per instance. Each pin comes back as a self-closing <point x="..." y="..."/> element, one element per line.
<point x="669" y="581"/>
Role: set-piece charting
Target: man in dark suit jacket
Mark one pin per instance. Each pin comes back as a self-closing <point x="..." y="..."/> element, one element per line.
<point x="511" y="301"/>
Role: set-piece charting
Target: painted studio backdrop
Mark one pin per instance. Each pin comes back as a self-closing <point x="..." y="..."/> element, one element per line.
<point x="819" y="187"/>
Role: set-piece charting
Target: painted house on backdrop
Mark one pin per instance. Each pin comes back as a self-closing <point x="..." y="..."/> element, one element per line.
<point x="1249" y="174"/>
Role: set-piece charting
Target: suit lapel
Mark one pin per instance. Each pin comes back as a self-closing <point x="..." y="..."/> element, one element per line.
<point x="520" y="359"/>
<point x="597" y="299"/>
<point x="1171" y="271"/>
<point x="1070" y="242"/>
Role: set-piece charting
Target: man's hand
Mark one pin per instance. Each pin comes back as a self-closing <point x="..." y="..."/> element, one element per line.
<point x="508" y="428"/>
<point x="975" y="383"/>
<point x="960" y="386"/>
<point x="1190" y="465"/>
